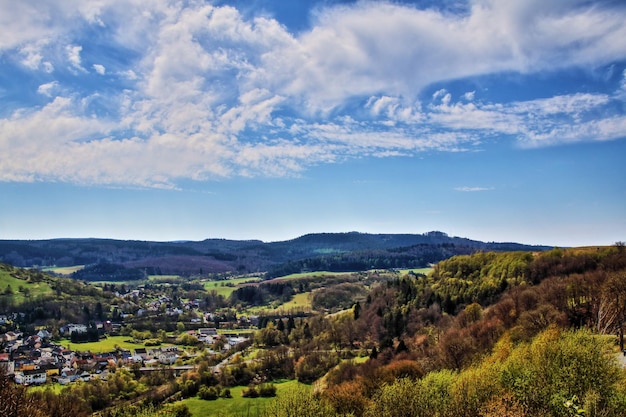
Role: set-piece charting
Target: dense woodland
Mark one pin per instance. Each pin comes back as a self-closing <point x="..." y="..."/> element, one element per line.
<point x="486" y="334"/>
<point x="321" y="251"/>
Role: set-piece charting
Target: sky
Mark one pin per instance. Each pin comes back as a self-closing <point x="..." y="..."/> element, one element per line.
<point x="192" y="119"/>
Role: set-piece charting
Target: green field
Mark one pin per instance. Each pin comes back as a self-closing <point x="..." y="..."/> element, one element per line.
<point x="315" y="274"/>
<point x="64" y="270"/>
<point x="236" y="406"/>
<point x="227" y="286"/>
<point x="104" y="345"/>
<point x="300" y="300"/>
<point x="34" y="289"/>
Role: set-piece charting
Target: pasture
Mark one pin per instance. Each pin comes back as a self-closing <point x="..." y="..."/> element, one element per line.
<point x="237" y="405"/>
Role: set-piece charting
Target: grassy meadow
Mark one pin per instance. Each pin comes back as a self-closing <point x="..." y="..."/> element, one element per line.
<point x="63" y="270"/>
<point x="237" y="405"/>
<point x="33" y="289"/>
<point x="104" y="345"/>
<point x="226" y="287"/>
<point x="316" y="274"/>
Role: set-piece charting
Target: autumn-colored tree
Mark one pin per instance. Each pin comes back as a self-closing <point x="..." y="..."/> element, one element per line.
<point x="347" y="398"/>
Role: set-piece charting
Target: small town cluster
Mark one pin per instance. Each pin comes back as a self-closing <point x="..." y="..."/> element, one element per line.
<point x="36" y="359"/>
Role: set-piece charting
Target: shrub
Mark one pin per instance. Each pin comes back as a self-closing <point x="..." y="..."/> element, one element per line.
<point x="225" y="393"/>
<point x="250" y="392"/>
<point x="208" y="393"/>
<point x="267" y="390"/>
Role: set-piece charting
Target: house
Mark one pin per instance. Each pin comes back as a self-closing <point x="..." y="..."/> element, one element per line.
<point x="7" y="363"/>
<point x="142" y="353"/>
<point x="68" y="329"/>
<point x="31" y="377"/>
<point x="207" y="331"/>
<point x="167" y="358"/>
<point x="70" y="375"/>
<point x="44" y="334"/>
<point x="12" y="336"/>
<point x="50" y="369"/>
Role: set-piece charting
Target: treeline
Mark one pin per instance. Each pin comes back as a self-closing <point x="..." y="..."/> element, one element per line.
<point x="106" y="271"/>
<point x="416" y="256"/>
<point x="347" y="262"/>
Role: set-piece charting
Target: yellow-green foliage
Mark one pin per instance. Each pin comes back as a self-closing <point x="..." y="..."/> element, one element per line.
<point x="481" y="276"/>
<point x="299" y="402"/>
<point x="558" y="374"/>
<point x="558" y="366"/>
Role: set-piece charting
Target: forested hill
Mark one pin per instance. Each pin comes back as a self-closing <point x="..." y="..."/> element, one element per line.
<point x="330" y="251"/>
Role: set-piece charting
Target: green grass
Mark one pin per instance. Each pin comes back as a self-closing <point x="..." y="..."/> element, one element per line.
<point x="236" y="406"/>
<point x="315" y="274"/>
<point x="163" y="279"/>
<point x="34" y="288"/>
<point x="227" y="286"/>
<point x="64" y="270"/>
<point x="300" y="301"/>
<point x="104" y="345"/>
<point x="56" y="388"/>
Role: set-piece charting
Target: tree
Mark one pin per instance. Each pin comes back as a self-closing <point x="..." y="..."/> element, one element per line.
<point x="99" y="312"/>
<point x="14" y="400"/>
<point x="357" y="310"/>
<point x="613" y="304"/>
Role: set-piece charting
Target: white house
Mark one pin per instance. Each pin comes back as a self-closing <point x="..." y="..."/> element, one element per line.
<point x="30" y="377"/>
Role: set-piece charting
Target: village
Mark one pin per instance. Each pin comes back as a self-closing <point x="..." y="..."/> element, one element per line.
<point x="36" y="359"/>
<point x="49" y="354"/>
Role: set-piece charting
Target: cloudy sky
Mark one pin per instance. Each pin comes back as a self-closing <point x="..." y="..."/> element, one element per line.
<point x="189" y="119"/>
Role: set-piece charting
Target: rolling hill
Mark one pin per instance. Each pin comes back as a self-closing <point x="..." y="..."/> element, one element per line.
<point x="333" y="251"/>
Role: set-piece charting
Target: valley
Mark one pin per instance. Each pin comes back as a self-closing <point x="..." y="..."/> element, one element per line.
<point x="452" y="338"/>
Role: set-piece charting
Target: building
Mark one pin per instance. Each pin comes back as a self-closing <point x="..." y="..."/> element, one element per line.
<point x="31" y="377"/>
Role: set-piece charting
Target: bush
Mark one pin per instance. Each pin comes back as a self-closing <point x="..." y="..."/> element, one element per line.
<point x="225" y="393"/>
<point x="208" y="393"/>
<point x="250" y="392"/>
<point x="267" y="390"/>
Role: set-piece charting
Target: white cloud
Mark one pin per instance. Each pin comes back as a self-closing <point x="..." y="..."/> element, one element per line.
<point x="73" y="56"/>
<point x="100" y="69"/>
<point x="210" y="92"/>
<point x="473" y="189"/>
<point x="48" y="88"/>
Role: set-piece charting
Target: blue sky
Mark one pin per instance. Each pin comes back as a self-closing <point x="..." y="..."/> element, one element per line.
<point x="171" y="120"/>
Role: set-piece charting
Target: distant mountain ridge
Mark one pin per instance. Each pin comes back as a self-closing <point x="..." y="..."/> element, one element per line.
<point x="223" y="255"/>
